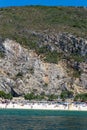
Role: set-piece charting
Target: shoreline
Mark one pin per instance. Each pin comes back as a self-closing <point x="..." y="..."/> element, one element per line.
<point x="44" y="109"/>
<point x="44" y="106"/>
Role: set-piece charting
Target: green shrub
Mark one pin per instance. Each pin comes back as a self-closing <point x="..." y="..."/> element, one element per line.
<point x="42" y="50"/>
<point x="5" y="96"/>
<point x="77" y="58"/>
<point x="19" y="74"/>
<point x="31" y="70"/>
<point x="81" y="97"/>
<point x="2" y="55"/>
<point x="66" y="94"/>
<point x="32" y="45"/>
<point x="52" y="97"/>
<point x="2" y="94"/>
<point x="32" y="96"/>
<point x="39" y="97"/>
<point x="52" y="57"/>
<point x="8" y="96"/>
<point x="76" y="73"/>
<point x="29" y="96"/>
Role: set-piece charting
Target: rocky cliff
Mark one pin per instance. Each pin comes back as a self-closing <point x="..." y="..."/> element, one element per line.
<point x="23" y="70"/>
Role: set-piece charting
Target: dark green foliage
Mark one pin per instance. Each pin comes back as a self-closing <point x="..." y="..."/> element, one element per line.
<point x="45" y="85"/>
<point x="76" y="73"/>
<point x="52" y="57"/>
<point x="2" y="54"/>
<point x="32" y="45"/>
<point x="77" y="58"/>
<point x="43" y="50"/>
<point x="66" y="94"/>
<point x="32" y="96"/>
<point x="19" y="75"/>
<point x="8" y="96"/>
<point x="39" y="97"/>
<point x="31" y="70"/>
<point x="2" y="93"/>
<point x="29" y="96"/>
<point x="81" y="97"/>
<point x="24" y="41"/>
<point x="52" y="97"/>
<point x="5" y="96"/>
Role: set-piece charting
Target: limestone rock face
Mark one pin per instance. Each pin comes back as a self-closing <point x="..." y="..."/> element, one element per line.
<point x="64" y="42"/>
<point x="23" y="71"/>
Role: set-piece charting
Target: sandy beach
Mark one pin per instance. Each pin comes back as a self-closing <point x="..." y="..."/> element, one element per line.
<point x="43" y="105"/>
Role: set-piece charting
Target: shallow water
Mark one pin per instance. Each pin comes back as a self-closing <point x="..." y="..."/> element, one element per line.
<point x="42" y="120"/>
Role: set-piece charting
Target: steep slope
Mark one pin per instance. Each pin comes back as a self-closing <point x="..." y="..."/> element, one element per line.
<point x="23" y="71"/>
<point x="43" y="50"/>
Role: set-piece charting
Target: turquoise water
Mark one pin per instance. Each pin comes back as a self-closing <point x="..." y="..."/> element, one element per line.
<point x="42" y="120"/>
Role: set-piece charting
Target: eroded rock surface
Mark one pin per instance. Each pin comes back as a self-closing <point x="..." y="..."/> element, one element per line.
<point x="23" y="71"/>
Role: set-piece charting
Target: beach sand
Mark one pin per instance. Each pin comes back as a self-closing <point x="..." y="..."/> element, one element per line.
<point x="44" y="106"/>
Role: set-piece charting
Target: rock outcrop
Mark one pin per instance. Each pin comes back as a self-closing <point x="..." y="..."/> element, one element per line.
<point x="63" y="42"/>
<point x="23" y="71"/>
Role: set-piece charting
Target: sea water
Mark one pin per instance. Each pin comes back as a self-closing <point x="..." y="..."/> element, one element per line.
<point x="42" y="120"/>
